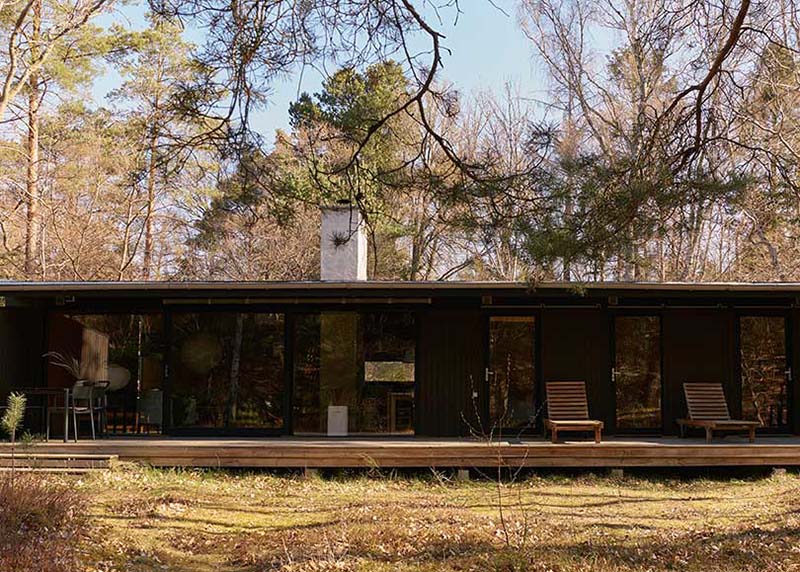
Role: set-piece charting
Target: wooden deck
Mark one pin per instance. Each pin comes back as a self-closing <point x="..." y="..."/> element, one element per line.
<point x="291" y="452"/>
<point x="73" y="462"/>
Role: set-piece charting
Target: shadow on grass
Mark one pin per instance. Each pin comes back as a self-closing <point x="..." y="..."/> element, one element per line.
<point x="743" y="550"/>
<point x="747" y="550"/>
<point x="446" y="530"/>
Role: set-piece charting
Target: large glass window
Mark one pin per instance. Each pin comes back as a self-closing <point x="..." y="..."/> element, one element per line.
<point x="387" y="398"/>
<point x="354" y="372"/>
<point x="763" y="369"/>
<point x="125" y="350"/>
<point x="512" y="369"/>
<point x="227" y="370"/>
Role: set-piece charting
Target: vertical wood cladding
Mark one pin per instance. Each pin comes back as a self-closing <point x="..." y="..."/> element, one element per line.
<point x="450" y="363"/>
<point x="21" y="348"/>
<point x="65" y="336"/>
<point x="793" y="340"/>
<point x="576" y="347"/>
<point x="699" y="345"/>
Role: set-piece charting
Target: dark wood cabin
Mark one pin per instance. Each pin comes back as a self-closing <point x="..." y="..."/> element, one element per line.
<point x="428" y="359"/>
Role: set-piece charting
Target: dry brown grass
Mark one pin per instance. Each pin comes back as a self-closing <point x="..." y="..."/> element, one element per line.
<point x="180" y="521"/>
<point x="41" y="523"/>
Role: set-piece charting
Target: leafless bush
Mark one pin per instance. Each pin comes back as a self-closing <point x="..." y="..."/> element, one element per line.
<point x="513" y="515"/>
<point x="40" y="524"/>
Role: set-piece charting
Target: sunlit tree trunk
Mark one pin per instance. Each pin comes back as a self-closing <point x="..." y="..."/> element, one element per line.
<point x="32" y="191"/>
<point x="152" y="173"/>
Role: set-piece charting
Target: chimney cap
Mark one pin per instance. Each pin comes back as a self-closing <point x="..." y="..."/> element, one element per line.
<point x="339" y="205"/>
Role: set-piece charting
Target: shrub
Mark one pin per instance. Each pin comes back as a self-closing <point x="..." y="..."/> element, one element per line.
<point x="41" y="522"/>
<point x="12" y="421"/>
<point x="15" y="412"/>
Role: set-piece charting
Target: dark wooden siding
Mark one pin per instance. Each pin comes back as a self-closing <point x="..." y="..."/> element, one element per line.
<point x="794" y="363"/>
<point x="576" y="346"/>
<point x="65" y="336"/>
<point x="21" y="348"/>
<point x="450" y="362"/>
<point x="698" y="345"/>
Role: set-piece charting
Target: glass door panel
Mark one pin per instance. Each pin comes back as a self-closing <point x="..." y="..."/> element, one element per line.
<point x="764" y="370"/>
<point x="637" y="372"/>
<point x="511" y="371"/>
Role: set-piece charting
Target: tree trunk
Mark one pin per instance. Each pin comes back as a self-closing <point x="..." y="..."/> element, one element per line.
<point x="126" y="237"/>
<point x="32" y="196"/>
<point x="151" y="197"/>
<point x="568" y="211"/>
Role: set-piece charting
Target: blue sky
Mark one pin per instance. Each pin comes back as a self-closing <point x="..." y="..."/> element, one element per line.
<point x="488" y="50"/>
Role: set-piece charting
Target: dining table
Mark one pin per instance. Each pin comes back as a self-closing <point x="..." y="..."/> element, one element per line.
<point x="50" y="393"/>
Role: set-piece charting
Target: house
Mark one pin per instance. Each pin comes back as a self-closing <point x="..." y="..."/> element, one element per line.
<point x="348" y="356"/>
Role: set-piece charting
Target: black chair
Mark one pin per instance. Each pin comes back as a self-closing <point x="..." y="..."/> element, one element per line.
<point x="89" y="398"/>
<point x="86" y="398"/>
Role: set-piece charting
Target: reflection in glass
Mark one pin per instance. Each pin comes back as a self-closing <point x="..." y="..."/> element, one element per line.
<point x="763" y="363"/>
<point x="227" y="370"/>
<point x="638" y="372"/>
<point x="361" y="361"/>
<point x="512" y="370"/>
<point x="126" y="350"/>
<point x="387" y="398"/>
<point x="307" y="415"/>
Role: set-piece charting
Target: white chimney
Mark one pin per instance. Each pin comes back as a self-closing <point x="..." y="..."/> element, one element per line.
<point x="343" y="247"/>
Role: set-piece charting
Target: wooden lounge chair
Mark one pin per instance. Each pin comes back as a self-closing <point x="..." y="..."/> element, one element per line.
<point x="708" y="409"/>
<point x="568" y="409"/>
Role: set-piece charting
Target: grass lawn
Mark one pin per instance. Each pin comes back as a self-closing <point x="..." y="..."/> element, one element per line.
<point x="149" y="520"/>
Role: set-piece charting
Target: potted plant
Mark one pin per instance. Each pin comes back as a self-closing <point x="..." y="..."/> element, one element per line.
<point x="70" y="364"/>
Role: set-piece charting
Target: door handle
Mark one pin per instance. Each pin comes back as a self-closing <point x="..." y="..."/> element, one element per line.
<point x="788" y="374"/>
<point x="614" y="375"/>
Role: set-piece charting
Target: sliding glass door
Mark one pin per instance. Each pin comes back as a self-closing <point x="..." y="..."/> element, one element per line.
<point x="764" y="370"/>
<point x="637" y="372"/>
<point x="227" y="371"/>
<point x="354" y="372"/>
<point x="349" y="372"/>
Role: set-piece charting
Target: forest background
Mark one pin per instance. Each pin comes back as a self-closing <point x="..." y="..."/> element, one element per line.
<point x="196" y="139"/>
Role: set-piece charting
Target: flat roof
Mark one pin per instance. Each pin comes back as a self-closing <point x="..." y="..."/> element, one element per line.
<point x="322" y="286"/>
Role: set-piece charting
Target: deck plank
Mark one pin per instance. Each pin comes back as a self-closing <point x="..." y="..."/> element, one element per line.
<point x="443" y="453"/>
